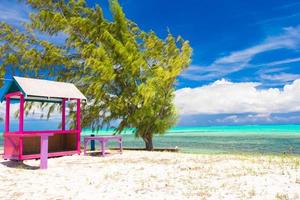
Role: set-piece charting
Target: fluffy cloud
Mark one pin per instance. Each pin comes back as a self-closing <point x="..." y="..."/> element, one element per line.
<point x="223" y="97"/>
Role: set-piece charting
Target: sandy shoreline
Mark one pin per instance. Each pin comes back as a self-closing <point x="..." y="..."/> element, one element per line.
<point x="154" y="175"/>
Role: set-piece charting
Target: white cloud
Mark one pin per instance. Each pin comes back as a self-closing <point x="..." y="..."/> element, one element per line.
<point x="247" y="119"/>
<point x="238" y="60"/>
<point x="223" y="97"/>
<point x="277" y="74"/>
<point x="280" y="62"/>
<point x="283" y="77"/>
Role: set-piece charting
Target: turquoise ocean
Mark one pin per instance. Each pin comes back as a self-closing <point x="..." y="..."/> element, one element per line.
<point x="266" y="139"/>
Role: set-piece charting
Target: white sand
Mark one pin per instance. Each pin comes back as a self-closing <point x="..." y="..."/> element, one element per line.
<point x="153" y="175"/>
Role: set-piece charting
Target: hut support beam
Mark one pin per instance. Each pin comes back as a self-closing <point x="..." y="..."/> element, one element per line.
<point x="63" y="117"/>
<point x="7" y="113"/>
<point x="21" y="125"/>
<point x="21" y="118"/>
<point x="78" y="126"/>
<point x="44" y="152"/>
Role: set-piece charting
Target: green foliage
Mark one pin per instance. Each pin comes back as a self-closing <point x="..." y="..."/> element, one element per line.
<point x="126" y="73"/>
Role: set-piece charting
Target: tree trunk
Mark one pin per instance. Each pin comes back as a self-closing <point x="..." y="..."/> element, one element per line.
<point x="148" y="143"/>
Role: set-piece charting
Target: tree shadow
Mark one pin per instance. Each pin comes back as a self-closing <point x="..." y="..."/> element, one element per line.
<point x="18" y="165"/>
<point x="99" y="153"/>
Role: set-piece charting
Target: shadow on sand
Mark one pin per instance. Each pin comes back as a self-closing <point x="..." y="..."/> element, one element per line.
<point x="18" y="165"/>
<point x="98" y="153"/>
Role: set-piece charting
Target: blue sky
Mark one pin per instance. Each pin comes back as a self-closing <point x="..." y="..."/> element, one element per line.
<point x="238" y="46"/>
<point x="218" y="29"/>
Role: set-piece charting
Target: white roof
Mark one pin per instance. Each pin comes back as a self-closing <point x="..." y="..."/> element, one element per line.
<point x="48" y="89"/>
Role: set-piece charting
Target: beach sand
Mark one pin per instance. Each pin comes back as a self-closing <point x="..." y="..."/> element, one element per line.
<point x="153" y="175"/>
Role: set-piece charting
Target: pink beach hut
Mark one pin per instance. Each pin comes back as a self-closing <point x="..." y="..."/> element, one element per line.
<point x="21" y="144"/>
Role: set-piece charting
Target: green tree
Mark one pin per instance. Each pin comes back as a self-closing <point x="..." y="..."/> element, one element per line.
<point x="127" y="74"/>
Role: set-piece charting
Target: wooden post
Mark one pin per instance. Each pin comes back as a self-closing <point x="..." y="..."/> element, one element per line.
<point x="63" y="117"/>
<point x="21" y="125"/>
<point x="21" y="119"/>
<point x="78" y="126"/>
<point x="7" y="114"/>
<point x="44" y="152"/>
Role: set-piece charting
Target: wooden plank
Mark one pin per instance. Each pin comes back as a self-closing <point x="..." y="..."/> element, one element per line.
<point x="78" y="125"/>
<point x="54" y="154"/>
<point x="44" y="152"/>
<point x="63" y="114"/>
<point x="30" y="133"/>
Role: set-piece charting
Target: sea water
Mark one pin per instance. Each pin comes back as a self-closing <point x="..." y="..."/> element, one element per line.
<point x="268" y="139"/>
